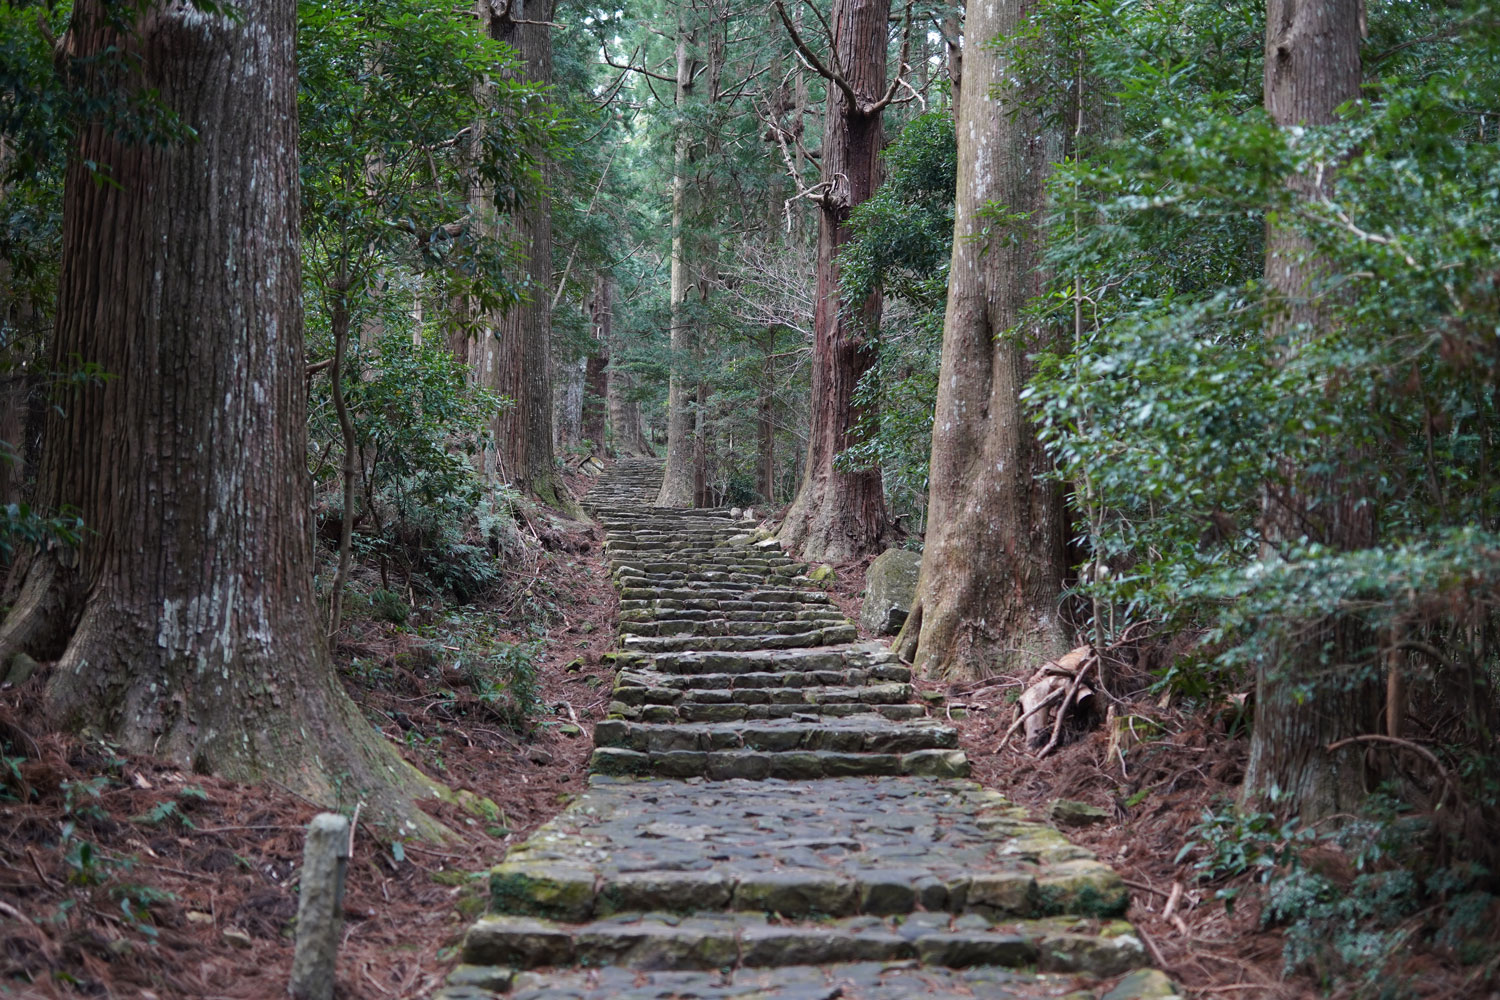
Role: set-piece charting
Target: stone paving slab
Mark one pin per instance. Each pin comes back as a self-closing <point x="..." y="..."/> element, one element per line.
<point x="844" y="846"/>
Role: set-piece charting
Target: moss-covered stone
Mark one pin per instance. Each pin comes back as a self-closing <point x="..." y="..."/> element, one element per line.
<point x="669" y="891"/>
<point x="1143" y="984"/>
<point x="1067" y="812"/>
<point x="1009" y="894"/>
<point x="517" y="942"/>
<point x="559" y="892"/>
<point x="1092" y="954"/>
<point x="495" y="978"/>
<point x="1084" y="888"/>
<point x="796" y="893"/>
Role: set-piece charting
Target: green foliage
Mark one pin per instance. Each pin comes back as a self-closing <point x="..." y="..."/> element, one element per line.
<point x="389" y="606"/>
<point x="404" y="110"/>
<point x="1350" y="902"/>
<point x="902" y="236"/>
<point x="418" y="423"/>
<point x="901" y="244"/>
<point x="1171" y="411"/>
<point x="503" y="674"/>
<point x="172" y="809"/>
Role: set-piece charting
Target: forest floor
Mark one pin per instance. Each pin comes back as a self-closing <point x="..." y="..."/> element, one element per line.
<point x="122" y="876"/>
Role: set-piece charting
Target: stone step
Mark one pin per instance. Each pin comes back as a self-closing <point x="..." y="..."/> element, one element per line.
<point x="816" y="613"/>
<point x="840" y="847"/>
<point x="656" y="607"/>
<point x="882" y="666"/>
<point x="851" y="676"/>
<point x="725" y="578"/>
<point x="694" y="711"/>
<point x="839" y="981"/>
<point x="722" y="765"/>
<point x="841" y="736"/>
<point x="658" y="943"/>
<point x="753" y="627"/>
<point x="729" y="643"/>
<point x="820" y="687"/>
<point x="722" y="594"/>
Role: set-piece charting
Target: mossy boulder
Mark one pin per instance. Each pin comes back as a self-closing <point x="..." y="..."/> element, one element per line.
<point x="890" y="589"/>
<point x="1067" y="812"/>
<point x="1144" y="984"/>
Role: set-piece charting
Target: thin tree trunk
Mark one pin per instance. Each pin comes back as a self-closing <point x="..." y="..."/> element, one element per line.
<point x="340" y="322"/>
<point x="14" y="393"/>
<point x="765" y="425"/>
<point x="1312" y="692"/>
<point x="595" y="382"/>
<point x="840" y="515"/>
<point x="184" y="625"/>
<point x="993" y="562"/>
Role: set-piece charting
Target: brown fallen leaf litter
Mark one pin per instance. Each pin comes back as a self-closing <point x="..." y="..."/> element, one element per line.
<point x="122" y="876"/>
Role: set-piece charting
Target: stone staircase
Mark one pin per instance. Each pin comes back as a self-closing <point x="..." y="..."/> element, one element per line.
<point x="770" y="816"/>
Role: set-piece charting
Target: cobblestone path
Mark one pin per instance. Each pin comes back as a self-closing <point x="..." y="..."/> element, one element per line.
<point x="770" y="816"/>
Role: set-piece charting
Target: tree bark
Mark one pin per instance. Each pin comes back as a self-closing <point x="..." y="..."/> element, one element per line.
<point x="349" y="466"/>
<point x="837" y="515"/>
<point x="1312" y="692"/>
<point x="765" y="422"/>
<point x="515" y="349"/>
<point x="184" y="625"/>
<point x="567" y="403"/>
<point x="993" y="563"/>
<point x="677" y="477"/>
<point x="595" y="381"/>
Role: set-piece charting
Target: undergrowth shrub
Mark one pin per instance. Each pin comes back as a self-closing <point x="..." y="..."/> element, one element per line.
<point x="1352" y="902"/>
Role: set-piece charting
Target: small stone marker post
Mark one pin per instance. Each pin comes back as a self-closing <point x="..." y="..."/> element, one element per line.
<point x="320" y="907"/>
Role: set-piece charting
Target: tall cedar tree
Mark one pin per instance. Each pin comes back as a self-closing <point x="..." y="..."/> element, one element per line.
<point x="512" y="353"/>
<point x="183" y="625"/>
<point x="993" y="564"/>
<point x="1312" y="694"/>
<point x="677" y="476"/>
<point x="839" y="514"/>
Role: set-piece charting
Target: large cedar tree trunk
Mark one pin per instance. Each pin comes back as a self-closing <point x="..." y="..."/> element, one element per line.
<point x="515" y="359"/>
<point x="839" y="515"/>
<point x="1311" y="694"/>
<point x="993" y="562"/>
<point x="184" y="625"/>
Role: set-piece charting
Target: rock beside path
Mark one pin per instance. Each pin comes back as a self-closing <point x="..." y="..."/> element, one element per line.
<point x="890" y="590"/>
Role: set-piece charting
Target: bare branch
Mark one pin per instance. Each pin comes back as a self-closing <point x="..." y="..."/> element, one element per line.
<point x="604" y="51"/>
<point x="901" y="67"/>
<point x="811" y="58"/>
